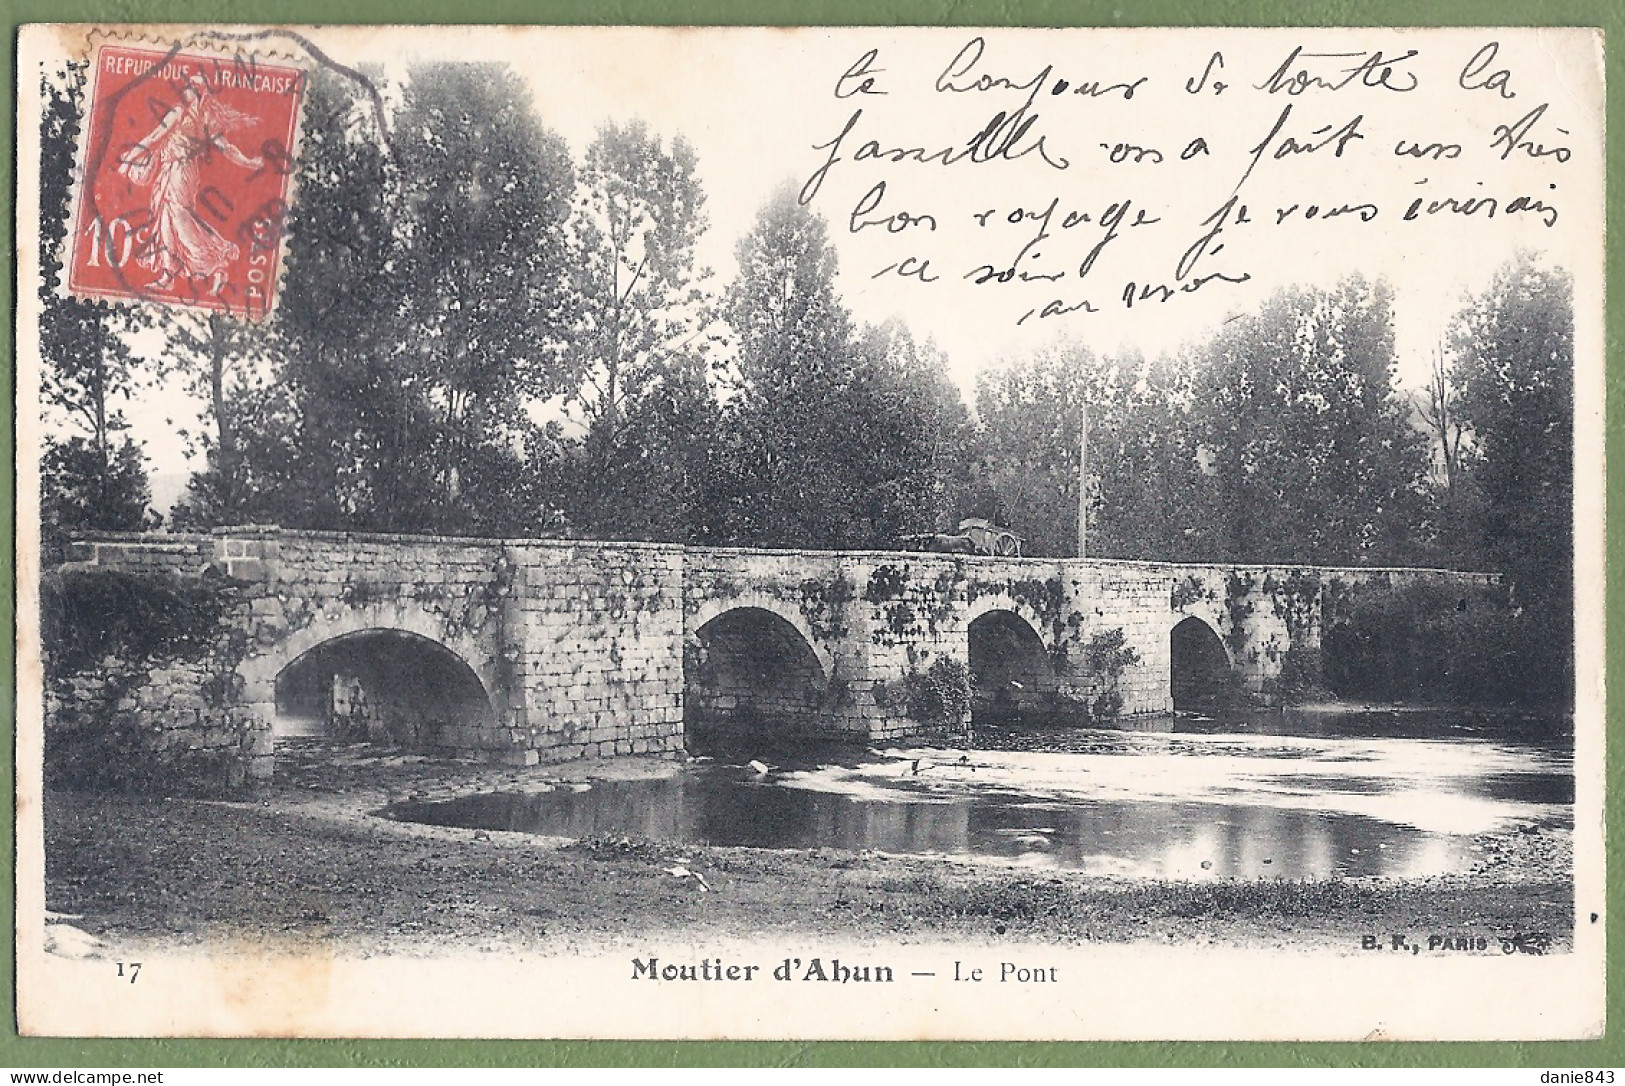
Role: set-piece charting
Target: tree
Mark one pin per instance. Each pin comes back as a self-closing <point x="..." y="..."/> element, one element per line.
<point x="638" y="217"/>
<point x="423" y="307"/>
<point x="1280" y="439"/>
<point x="640" y="467"/>
<point x="86" y="487"/>
<point x="1031" y="416"/>
<point x="255" y="453"/>
<point x="95" y="476"/>
<point x="1440" y="407"/>
<point x="306" y="415"/>
<point x="1514" y="363"/>
<point x="220" y="354"/>
<point x="659" y="480"/>
<point x="340" y="450"/>
<point x="1454" y="503"/>
<point x="1297" y="418"/>
<point x="1141" y="464"/>
<point x="484" y="296"/>
<point x="913" y="468"/>
<point x="830" y="439"/>
<point x="790" y="439"/>
<point x="1152" y="498"/>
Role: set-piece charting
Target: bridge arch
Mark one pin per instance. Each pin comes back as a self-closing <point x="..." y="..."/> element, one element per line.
<point x="712" y="609"/>
<point x="382" y="684"/>
<point x="1200" y="670"/>
<point x="372" y="637"/>
<point x="1000" y="602"/>
<point x="1011" y="669"/>
<point x="750" y="669"/>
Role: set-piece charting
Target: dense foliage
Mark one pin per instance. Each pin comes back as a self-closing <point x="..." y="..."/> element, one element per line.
<point x="939" y="697"/>
<point x="1106" y="656"/>
<point x="478" y="334"/>
<point x="102" y="633"/>
<point x="1514" y="350"/>
<point x="1280" y="439"/>
<point x="642" y="339"/>
<point x="1433" y="643"/>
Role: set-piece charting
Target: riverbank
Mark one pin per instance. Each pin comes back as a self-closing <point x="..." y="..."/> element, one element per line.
<point x="311" y="859"/>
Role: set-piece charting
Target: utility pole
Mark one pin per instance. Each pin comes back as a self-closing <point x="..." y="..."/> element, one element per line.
<point x="1083" y="480"/>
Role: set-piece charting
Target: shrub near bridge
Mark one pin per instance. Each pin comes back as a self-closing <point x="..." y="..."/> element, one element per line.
<point x="1430" y="642"/>
<point x="1107" y="656"/>
<point x="940" y="696"/>
<point x="104" y="633"/>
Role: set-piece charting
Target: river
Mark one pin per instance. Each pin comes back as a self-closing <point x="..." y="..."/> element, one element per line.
<point x="1307" y="793"/>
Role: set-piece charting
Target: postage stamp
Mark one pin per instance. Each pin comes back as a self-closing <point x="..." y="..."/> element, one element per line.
<point x="187" y="162"/>
<point x="861" y="533"/>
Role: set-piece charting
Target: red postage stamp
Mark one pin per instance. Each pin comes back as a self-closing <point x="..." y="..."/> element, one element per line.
<point x="187" y="162"/>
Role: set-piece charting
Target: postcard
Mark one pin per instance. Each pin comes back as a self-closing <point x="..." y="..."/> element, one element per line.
<point x="860" y="533"/>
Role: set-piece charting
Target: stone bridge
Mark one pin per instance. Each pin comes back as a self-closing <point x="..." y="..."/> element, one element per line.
<point x="540" y="650"/>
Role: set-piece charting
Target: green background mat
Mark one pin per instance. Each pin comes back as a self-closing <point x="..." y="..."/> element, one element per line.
<point x="1609" y="14"/>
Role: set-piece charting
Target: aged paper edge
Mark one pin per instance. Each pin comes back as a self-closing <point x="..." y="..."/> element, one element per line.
<point x="1590" y="570"/>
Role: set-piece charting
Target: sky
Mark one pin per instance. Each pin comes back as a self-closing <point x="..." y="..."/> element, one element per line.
<point x="1174" y="129"/>
<point x="758" y="115"/>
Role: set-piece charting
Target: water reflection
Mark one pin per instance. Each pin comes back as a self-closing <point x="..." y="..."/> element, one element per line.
<point x="1191" y="805"/>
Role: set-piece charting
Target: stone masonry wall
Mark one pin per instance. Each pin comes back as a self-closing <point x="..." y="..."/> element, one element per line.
<point x="917" y="608"/>
<point x="310" y="588"/>
<point x="810" y="593"/>
<point x="182" y="708"/>
<point x="595" y="636"/>
<point x="1270" y="618"/>
<point x="579" y="647"/>
<point x="1132" y="597"/>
